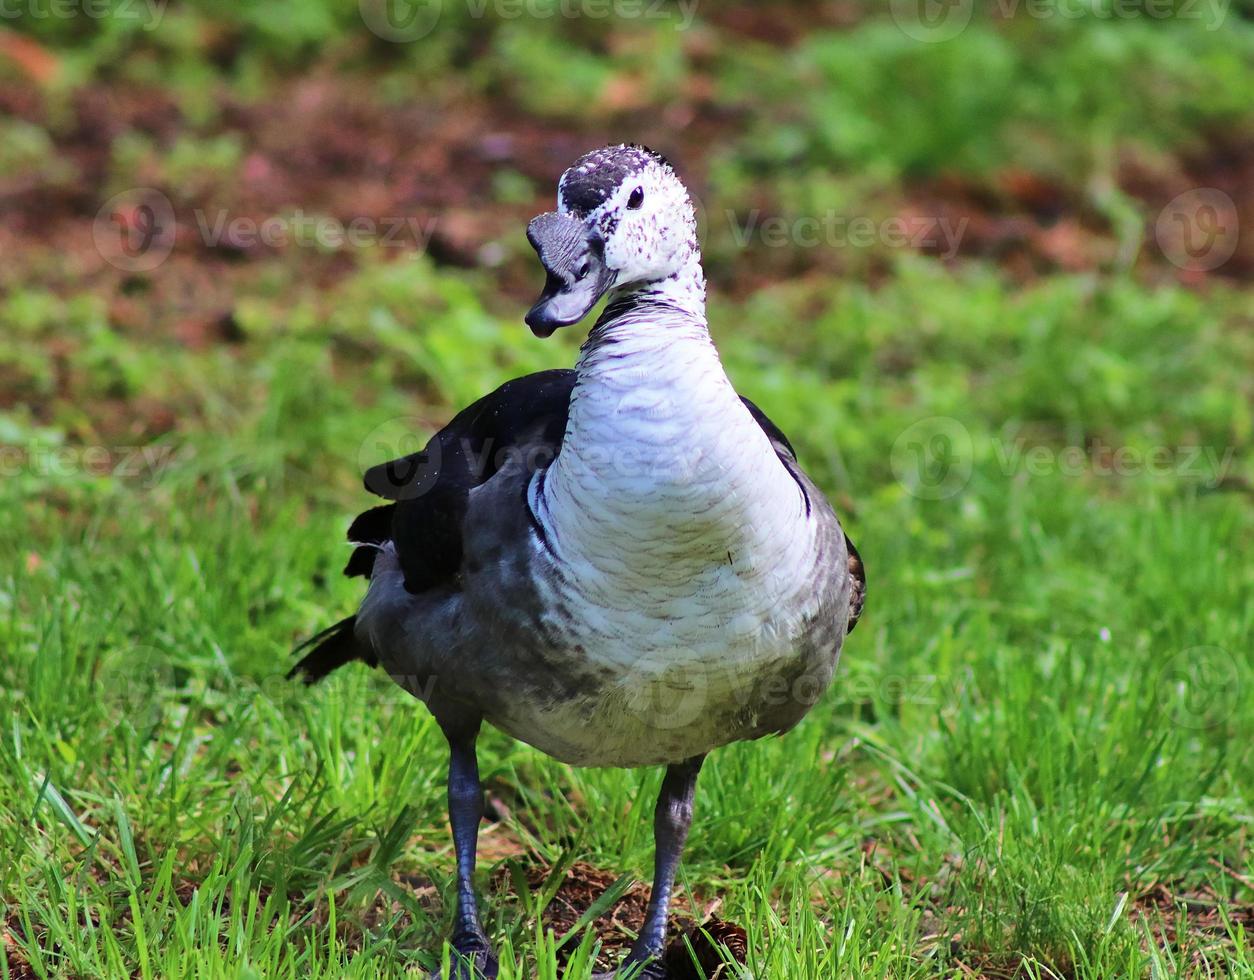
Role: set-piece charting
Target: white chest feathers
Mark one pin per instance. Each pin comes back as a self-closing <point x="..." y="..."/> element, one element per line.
<point x="673" y="533"/>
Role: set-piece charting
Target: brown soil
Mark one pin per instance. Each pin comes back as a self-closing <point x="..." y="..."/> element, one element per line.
<point x="583" y="884"/>
<point x="326" y="145"/>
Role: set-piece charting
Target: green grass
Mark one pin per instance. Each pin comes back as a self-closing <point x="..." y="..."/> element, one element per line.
<point x="1044" y="713"/>
<point x="1035" y="760"/>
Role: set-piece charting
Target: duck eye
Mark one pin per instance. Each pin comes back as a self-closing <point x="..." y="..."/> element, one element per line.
<point x="636" y="199"/>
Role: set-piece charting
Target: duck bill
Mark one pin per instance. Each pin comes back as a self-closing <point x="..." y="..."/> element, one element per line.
<point x="575" y="272"/>
<point x="562" y="303"/>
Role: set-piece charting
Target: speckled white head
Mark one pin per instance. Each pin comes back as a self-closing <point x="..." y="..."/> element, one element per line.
<point x="633" y="198"/>
<point x="625" y="225"/>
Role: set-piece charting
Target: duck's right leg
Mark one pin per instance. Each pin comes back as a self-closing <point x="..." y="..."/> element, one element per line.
<point x="472" y="956"/>
<point x="671" y="822"/>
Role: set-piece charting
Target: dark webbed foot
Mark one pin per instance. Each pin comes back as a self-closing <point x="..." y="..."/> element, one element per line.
<point x="630" y="970"/>
<point x="671" y="821"/>
<point x="469" y="959"/>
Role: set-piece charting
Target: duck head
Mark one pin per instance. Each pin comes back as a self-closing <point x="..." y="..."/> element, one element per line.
<point x="623" y="220"/>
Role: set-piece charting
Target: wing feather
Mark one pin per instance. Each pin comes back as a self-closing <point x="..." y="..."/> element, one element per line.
<point x="429" y="489"/>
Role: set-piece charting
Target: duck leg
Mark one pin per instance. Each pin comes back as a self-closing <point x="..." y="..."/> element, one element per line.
<point x="472" y="956"/>
<point x="671" y="821"/>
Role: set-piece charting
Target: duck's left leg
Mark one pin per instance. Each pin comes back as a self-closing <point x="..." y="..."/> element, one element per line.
<point x="472" y="956"/>
<point x="671" y="821"/>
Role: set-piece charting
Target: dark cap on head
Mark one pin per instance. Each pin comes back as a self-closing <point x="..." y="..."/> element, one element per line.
<point x="592" y="178"/>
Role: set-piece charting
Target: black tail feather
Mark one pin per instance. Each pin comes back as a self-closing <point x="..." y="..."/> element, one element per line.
<point x="334" y="647"/>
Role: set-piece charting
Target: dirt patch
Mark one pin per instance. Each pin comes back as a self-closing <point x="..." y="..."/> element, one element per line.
<point x="429" y="177"/>
<point x="785" y="24"/>
<point x="1197" y="213"/>
<point x="255" y="205"/>
<point x="454" y="181"/>
<point x="582" y="885"/>
<point x="171" y="222"/>
<point x="1024" y="223"/>
<point x="1201" y="207"/>
<point x="1001" y="967"/>
<point x="263" y="201"/>
<point x="19" y="966"/>
<point x="1191" y="922"/>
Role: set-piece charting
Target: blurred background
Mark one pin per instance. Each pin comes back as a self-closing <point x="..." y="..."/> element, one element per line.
<point x="987" y="263"/>
<point x="181" y="177"/>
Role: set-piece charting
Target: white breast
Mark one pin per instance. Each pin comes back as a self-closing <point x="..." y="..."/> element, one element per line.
<point x="676" y="536"/>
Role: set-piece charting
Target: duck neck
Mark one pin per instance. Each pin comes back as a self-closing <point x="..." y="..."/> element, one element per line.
<point x="651" y="349"/>
<point x="650" y="388"/>
<point x="683" y="290"/>
<point x="651" y="344"/>
<point x="660" y="454"/>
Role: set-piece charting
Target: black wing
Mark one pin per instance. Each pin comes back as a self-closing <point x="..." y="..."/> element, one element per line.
<point x="787" y="455"/>
<point x="430" y="489"/>
<point x="783" y="449"/>
<point x="773" y="431"/>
